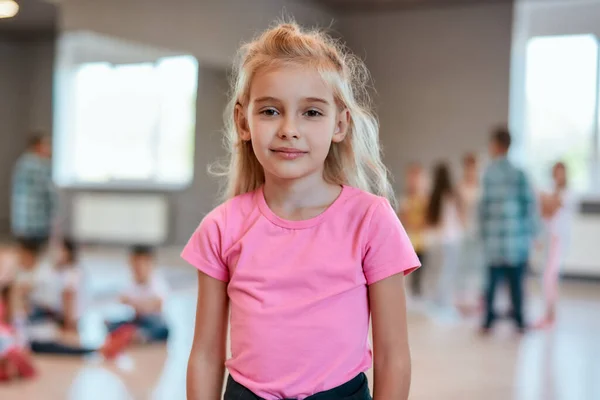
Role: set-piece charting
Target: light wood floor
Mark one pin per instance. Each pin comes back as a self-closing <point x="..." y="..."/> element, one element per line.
<point x="450" y="361"/>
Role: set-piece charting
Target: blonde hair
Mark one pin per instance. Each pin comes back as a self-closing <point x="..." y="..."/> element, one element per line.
<point x="356" y="160"/>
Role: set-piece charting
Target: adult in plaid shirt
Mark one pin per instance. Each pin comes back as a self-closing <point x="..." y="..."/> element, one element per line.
<point x="33" y="196"/>
<point x="508" y="216"/>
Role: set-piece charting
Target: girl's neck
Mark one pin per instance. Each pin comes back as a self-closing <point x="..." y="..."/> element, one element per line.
<point x="288" y="196"/>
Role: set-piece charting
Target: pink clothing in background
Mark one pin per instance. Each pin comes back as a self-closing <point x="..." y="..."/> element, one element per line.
<point x="298" y="289"/>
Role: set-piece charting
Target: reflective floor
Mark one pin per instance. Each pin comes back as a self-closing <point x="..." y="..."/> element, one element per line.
<point x="450" y="360"/>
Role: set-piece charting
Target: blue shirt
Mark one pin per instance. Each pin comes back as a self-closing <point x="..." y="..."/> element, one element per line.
<point x="508" y="215"/>
<point x="32" y="197"/>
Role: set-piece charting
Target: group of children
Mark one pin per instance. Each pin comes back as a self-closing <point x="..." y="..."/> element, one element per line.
<point x="443" y="224"/>
<point x="42" y="303"/>
<point x="441" y="220"/>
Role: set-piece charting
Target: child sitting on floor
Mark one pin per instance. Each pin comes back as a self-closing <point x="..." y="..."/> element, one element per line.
<point x="45" y="309"/>
<point x="146" y="297"/>
<point x="57" y="295"/>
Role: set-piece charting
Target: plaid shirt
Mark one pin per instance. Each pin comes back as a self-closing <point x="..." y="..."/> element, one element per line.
<point x="32" y="197"/>
<point x="508" y="214"/>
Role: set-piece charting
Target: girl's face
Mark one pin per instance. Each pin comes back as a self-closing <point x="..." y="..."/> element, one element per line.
<point x="62" y="257"/>
<point x="292" y="120"/>
<point x="471" y="170"/>
<point x="560" y="175"/>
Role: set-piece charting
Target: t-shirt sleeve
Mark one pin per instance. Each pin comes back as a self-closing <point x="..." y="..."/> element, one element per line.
<point x="71" y="280"/>
<point x="388" y="249"/>
<point x="159" y="286"/>
<point x="204" y="249"/>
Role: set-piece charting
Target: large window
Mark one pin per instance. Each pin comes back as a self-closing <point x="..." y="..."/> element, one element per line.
<point x="561" y="119"/>
<point x="127" y="124"/>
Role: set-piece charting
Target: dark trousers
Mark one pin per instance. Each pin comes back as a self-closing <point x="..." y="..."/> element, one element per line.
<point x="153" y="327"/>
<point x="56" y="348"/>
<point x="38" y="314"/>
<point x="416" y="283"/>
<point x="514" y="276"/>
<point x="356" y="389"/>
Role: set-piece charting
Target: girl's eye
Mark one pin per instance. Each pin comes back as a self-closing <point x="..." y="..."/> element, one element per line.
<point x="269" y="112"/>
<point x="313" y="113"/>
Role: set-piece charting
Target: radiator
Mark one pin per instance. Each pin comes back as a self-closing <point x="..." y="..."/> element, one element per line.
<point x="583" y="254"/>
<point x="120" y="218"/>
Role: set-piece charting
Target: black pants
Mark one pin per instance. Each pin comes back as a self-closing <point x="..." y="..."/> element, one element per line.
<point x="57" y="348"/>
<point x="416" y="283"/>
<point x="356" y="389"/>
<point x="38" y="314"/>
<point x="514" y="275"/>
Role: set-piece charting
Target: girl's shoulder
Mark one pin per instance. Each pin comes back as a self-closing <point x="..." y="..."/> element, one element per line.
<point x="355" y="199"/>
<point x="237" y="206"/>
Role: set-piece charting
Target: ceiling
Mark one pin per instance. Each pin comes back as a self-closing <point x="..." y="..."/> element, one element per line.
<point x="355" y="6"/>
<point x="35" y="18"/>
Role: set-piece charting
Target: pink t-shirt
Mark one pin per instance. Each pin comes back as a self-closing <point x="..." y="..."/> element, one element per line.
<point x="298" y="289"/>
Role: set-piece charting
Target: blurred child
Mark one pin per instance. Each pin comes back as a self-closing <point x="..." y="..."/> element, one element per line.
<point x="28" y="276"/>
<point x="14" y="361"/>
<point x="57" y="295"/>
<point x="469" y="280"/>
<point x="557" y="209"/>
<point x="444" y="221"/>
<point x="413" y="213"/>
<point x="43" y="304"/>
<point x="146" y="296"/>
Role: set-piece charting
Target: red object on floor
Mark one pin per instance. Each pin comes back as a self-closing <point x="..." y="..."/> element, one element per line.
<point x="118" y="341"/>
<point x="4" y="373"/>
<point x="23" y="365"/>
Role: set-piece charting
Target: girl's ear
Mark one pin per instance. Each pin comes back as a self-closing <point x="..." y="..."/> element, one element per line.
<point x="241" y="123"/>
<point x="341" y="126"/>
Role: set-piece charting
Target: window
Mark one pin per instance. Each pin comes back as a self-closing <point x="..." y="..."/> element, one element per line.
<point x="561" y="119"/>
<point x="129" y="125"/>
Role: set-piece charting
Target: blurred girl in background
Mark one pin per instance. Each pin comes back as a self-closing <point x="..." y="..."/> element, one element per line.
<point x="445" y="234"/>
<point x="557" y="209"/>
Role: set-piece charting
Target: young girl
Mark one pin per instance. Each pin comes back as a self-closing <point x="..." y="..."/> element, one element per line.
<point x="307" y="246"/>
<point x="557" y="212"/>
<point x="443" y="217"/>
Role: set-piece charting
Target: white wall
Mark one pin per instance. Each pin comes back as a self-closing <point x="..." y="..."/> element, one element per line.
<point x="441" y="75"/>
<point x="25" y="105"/>
<point x="210" y="30"/>
<point x="549" y="18"/>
